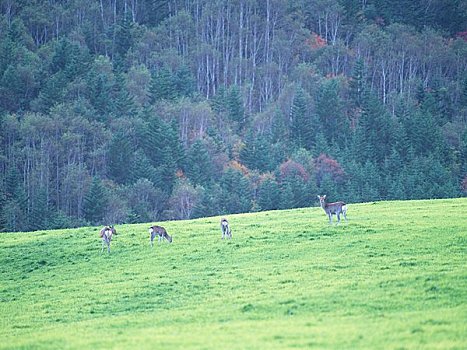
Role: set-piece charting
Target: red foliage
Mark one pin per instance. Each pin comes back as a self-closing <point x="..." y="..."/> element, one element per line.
<point x="315" y="41"/>
<point x="291" y="168"/>
<point x="326" y="165"/>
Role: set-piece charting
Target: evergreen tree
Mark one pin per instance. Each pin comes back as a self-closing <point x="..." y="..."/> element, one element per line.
<point x="269" y="195"/>
<point x="124" y="105"/>
<point x="185" y="84"/>
<point x="162" y="86"/>
<point x="123" y="42"/>
<point x="120" y="155"/>
<point x="357" y="84"/>
<point x="219" y="101"/>
<point x="198" y="163"/>
<point x="235" y="195"/>
<point x="142" y="168"/>
<point x="255" y="154"/>
<point x="235" y="109"/>
<point x="300" y="122"/>
<point x="95" y="202"/>
<point x="40" y="214"/>
<point x="332" y="120"/>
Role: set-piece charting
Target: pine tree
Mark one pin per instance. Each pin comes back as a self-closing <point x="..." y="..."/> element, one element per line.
<point x="235" y="195"/>
<point x="256" y="154"/>
<point x="332" y="119"/>
<point x="120" y="155"/>
<point x="162" y="86"/>
<point x="300" y="127"/>
<point x="185" y="84"/>
<point x="142" y="168"/>
<point x="357" y="83"/>
<point x="219" y="100"/>
<point x="199" y="164"/>
<point x="235" y="109"/>
<point x="124" y="105"/>
<point x="269" y="195"/>
<point x="95" y="202"/>
<point x="40" y="213"/>
<point x="123" y="42"/>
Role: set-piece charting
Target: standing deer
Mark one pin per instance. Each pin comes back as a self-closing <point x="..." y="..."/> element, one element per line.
<point x="333" y="208"/>
<point x="106" y="234"/>
<point x="226" y="231"/>
<point x="159" y="231"/>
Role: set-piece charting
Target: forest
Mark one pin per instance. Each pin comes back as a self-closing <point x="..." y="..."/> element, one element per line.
<point x="127" y="111"/>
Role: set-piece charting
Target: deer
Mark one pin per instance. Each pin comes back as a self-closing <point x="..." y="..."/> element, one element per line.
<point x="226" y="231"/>
<point x="161" y="232"/>
<point x="333" y="208"/>
<point x="106" y="234"/>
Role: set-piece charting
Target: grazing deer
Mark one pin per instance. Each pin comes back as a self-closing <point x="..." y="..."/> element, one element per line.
<point x="226" y="231"/>
<point x="106" y="234"/>
<point x="159" y="231"/>
<point x="333" y="208"/>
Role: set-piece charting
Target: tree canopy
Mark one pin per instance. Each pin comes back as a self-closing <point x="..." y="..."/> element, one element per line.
<point x="129" y="111"/>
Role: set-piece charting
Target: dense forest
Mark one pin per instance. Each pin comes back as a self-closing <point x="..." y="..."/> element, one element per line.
<point x="116" y="111"/>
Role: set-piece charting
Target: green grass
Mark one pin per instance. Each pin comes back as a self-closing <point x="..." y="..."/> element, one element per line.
<point x="393" y="277"/>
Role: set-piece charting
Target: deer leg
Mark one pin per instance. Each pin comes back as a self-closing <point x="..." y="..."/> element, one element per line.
<point x="330" y="218"/>
<point x="338" y="217"/>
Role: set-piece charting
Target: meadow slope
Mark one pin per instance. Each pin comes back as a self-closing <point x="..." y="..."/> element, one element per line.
<point x="393" y="277"/>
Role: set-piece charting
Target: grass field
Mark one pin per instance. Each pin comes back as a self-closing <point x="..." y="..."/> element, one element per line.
<point x="393" y="277"/>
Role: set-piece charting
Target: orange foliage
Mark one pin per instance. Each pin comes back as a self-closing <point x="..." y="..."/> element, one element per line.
<point x="315" y="41"/>
<point x="235" y="164"/>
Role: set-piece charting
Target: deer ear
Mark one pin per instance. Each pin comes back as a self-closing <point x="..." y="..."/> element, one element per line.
<point x="319" y="197"/>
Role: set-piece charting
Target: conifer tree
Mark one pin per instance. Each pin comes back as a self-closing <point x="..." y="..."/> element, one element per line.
<point x="235" y="109"/>
<point x="120" y="155"/>
<point x="300" y="122"/>
<point x="269" y="195"/>
<point x="40" y="214"/>
<point x="95" y="202"/>
<point x="198" y="163"/>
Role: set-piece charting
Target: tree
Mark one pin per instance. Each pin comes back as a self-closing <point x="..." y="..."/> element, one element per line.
<point x="235" y="195"/>
<point x="199" y="164"/>
<point x="120" y="154"/>
<point x="40" y="213"/>
<point x="256" y="152"/>
<point x="95" y="202"/>
<point x="269" y="195"/>
<point x="332" y="120"/>
<point x="235" y="110"/>
<point x="300" y="122"/>
<point x="162" y="86"/>
<point x="184" y="199"/>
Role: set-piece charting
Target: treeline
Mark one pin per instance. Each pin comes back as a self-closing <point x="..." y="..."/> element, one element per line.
<point x="117" y="111"/>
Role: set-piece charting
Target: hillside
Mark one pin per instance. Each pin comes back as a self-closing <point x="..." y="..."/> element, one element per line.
<point x="393" y="277"/>
<point x="174" y="110"/>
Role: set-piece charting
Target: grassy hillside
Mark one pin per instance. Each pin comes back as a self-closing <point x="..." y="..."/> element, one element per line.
<point x="393" y="277"/>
